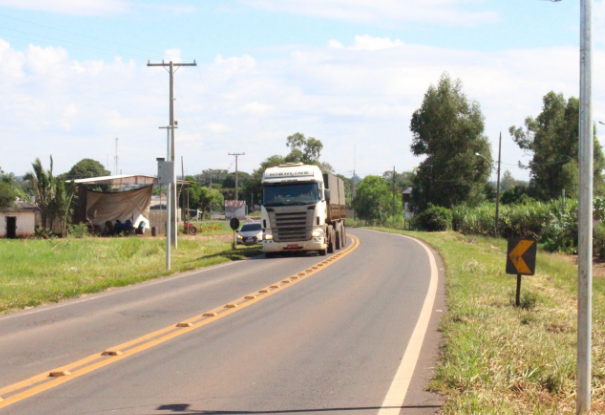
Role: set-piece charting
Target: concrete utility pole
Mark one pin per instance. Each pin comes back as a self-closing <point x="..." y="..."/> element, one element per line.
<point x="116" y="158"/>
<point x="498" y="187"/>
<point x="236" y="156"/>
<point x="394" y="192"/>
<point x="171" y="70"/>
<point x="585" y="213"/>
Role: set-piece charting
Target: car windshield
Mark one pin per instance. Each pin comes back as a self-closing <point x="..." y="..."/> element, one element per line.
<point x="250" y="227"/>
<point x="290" y="194"/>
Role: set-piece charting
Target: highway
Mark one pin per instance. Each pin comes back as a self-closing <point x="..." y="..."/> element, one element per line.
<point x="355" y="332"/>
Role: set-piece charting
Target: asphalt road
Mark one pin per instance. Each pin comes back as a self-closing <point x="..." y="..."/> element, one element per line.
<point x="329" y="342"/>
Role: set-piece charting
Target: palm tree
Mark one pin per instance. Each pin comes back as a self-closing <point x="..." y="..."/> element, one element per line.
<point x="52" y="198"/>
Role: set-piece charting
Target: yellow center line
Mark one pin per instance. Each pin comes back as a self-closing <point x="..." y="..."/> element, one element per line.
<point x="43" y="381"/>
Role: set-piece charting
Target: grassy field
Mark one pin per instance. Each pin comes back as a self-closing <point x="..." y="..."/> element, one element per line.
<point x="500" y="359"/>
<point x="36" y="271"/>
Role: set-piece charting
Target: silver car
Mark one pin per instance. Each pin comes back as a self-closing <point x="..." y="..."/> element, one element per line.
<point x="250" y="233"/>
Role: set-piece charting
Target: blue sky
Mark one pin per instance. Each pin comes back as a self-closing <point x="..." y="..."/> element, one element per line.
<point x="347" y="72"/>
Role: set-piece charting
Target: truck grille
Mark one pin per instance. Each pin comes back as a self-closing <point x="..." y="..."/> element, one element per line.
<point x="291" y="225"/>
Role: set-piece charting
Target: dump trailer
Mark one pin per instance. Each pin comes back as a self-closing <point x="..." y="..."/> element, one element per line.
<point x="303" y="210"/>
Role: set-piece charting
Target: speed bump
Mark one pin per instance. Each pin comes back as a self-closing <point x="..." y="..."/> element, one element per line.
<point x="59" y="373"/>
<point x="209" y="315"/>
<point x="184" y="324"/>
<point x="230" y="306"/>
<point x="249" y="297"/>
<point x="112" y="353"/>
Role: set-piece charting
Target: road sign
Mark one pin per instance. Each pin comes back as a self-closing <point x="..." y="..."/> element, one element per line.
<point x="234" y="223"/>
<point x="521" y="256"/>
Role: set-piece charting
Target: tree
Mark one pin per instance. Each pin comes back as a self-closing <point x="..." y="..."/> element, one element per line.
<point x="53" y="199"/>
<point x="303" y="150"/>
<point x="373" y="199"/>
<point x="85" y="169"/>
<point x="448" y="130"/>
<point x="508" y="182"/>
<point x="8" y="194"/>
<point x="552" y="139"/>
<point x="208" y="199"/>
<point x="213" y="176"/>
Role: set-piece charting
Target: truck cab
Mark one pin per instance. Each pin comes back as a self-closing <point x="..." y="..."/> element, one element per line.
<point x="295" y="214"/>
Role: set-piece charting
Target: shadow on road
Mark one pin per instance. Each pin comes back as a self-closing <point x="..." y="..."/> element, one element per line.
<point x="184" y="408"/>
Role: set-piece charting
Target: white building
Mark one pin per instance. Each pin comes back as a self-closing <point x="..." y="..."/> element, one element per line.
<point x="18" y="221"/>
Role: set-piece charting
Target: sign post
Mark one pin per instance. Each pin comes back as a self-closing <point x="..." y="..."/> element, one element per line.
<point x="234" y="223"/>
<point x="520" y="260"/>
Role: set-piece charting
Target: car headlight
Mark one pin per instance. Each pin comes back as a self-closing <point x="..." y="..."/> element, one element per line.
<point x="240" y="236"/>
<point x="318" y="232"/>
<point x="260" y="235"/>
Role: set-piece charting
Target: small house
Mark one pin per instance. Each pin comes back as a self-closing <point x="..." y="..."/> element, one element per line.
<point x="18" y="220"/>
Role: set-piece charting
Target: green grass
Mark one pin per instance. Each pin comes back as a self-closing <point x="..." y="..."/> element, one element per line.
<point x="38" y="271"/>
<point x="500" y="359"/>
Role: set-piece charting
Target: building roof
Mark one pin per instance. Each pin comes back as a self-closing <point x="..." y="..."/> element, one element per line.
<point x="20" y="206"/>
<point x="124" y="179"/>
<point x="407" y="191"/>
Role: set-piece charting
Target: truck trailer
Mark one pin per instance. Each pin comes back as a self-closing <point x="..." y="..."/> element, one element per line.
<point x="303" y="210"/>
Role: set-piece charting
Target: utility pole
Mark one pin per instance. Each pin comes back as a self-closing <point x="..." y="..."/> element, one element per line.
<point x="116" y="158"/>
<point x="585" y="213"/>
<point x="170" y="192"/>
<point x="236" y="156"/>
<point x="393" y="192"/>
<point x="171" y="70"/>
<point x="498" y="188"/>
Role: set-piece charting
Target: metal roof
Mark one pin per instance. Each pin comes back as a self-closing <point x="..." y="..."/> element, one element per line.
<point x="125" y="179"/>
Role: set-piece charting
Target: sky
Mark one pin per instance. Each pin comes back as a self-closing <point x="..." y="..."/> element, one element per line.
<point x="74" y="76"/>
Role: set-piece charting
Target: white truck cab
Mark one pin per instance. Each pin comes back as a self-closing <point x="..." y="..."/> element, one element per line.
<point x="298" y="211"/>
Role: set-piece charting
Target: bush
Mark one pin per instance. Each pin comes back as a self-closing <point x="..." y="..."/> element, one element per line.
<point x="78" y="231"/>
<point x="433" y="219"/>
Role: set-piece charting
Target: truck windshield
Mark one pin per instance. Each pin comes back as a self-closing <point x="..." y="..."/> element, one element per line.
<point x="290" y="194"/>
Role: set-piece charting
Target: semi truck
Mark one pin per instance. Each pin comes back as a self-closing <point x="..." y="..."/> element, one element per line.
<point x="303" y="210"/>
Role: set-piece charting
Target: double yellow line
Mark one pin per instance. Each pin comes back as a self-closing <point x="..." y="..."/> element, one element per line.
<point x="47" y="380"/>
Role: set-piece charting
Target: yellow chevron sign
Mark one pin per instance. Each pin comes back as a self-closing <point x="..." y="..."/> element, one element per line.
<point x="521" y="257"/>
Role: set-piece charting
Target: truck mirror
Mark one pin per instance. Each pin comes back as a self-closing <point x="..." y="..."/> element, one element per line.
<point x="327" y="193"/>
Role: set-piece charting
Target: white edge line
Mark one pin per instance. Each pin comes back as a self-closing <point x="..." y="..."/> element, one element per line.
<point x="395" y="397"/>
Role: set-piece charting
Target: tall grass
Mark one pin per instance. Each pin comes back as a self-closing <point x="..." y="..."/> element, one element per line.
<point x="38" y="271"/>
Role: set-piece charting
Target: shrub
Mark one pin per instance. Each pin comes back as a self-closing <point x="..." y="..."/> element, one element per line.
<point x="433" y="219"/>
<point x="78" y="231"/>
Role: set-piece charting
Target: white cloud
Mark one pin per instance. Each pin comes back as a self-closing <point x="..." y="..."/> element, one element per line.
<point x="80" y="7"/>
<point x="217" y="127"/>
<point x="337" y="95"/>
<point x="173" y="55"/>
<point x="367" y="42"/>
<point x="453" y="12"/>
<point x="257" y="108"/>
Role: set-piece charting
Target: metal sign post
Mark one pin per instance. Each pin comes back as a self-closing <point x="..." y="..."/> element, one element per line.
<point x="166" y="177"/>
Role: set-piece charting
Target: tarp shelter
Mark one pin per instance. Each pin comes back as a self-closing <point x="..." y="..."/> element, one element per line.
<point x="111" y="198"/>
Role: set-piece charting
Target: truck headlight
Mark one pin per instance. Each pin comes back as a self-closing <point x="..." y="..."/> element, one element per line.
<point x="267" y="237"/>
<point x="317" y="233"/>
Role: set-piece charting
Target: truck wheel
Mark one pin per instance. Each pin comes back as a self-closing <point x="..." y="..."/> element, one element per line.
<point x="344" y="236"/>
<point x="321" y="252"/>
<point x="338" y="240"/>
<point x="331" y="240"/>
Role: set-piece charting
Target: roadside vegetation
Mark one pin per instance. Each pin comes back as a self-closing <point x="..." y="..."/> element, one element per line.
<point x="497" y="358"/>
<point x="39" y="271"/>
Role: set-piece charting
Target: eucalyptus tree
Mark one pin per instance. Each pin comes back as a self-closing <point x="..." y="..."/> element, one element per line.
<point x="448" y="130"/>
